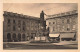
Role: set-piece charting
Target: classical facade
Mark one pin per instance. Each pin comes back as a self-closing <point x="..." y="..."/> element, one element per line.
<point x="66" y="24"/>
<point x="18" y="27"/>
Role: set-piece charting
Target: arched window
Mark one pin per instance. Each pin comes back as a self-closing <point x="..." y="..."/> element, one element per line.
<point x="14" y="37"/>
<point x="19" y="37"/>
<point x="8" y="37"/>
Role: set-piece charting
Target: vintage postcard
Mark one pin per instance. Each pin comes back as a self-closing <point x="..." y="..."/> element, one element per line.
<point x="49" y="26"/>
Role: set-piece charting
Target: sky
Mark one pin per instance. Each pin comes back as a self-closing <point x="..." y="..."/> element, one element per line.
<point x="34" y="9"/>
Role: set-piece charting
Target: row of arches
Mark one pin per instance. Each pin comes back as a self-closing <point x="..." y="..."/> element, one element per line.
<point x="14" y="37"/>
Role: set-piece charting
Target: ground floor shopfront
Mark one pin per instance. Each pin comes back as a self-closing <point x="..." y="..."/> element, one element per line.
<point x="65" y="36"/>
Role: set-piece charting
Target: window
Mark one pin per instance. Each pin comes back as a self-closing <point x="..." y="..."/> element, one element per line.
<point x="14" y="28"/>
<point x="8" y="20"/>
<point x="53" y="22"/>
<point x="19" y="28"/>
<point x="68" y="21"/>
<point x="19" y="25"/>
<point x="19" y="37"/>
<point x="9" y="37"/>
<point x="13" y="21"/>
<point x="23" y="28"/>
<point x="14" y="37"/>
<point x="23" y="23"/>
<point x="9" y="27"/>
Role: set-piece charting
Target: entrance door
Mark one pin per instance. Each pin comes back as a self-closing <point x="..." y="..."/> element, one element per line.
<point x="9" y="37"/>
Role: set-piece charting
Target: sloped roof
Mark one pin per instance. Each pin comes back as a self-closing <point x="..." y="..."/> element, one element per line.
<point x="20" y="15"/>
<point x="62" y="14"/>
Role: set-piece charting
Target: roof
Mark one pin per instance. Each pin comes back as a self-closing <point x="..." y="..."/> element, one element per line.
<point x="62" y="14"/>
<point x="19" y="15"/>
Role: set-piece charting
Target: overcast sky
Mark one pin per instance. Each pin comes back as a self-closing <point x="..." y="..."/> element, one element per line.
<point x="34" y="9"/>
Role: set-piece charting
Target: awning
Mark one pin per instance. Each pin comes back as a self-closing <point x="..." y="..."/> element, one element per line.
<point x="67" y="35"/>
<point x="54" y="35"/>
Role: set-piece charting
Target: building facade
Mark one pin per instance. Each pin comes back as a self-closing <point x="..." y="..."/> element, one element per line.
<point x="18" y="27"/>
<point x="64" y="23"/>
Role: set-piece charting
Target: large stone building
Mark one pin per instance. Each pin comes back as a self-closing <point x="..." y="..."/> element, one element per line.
<point x="18" y="27"/>
<point x="66" y="24"/>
